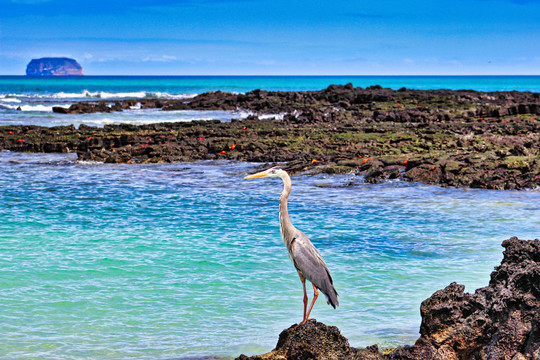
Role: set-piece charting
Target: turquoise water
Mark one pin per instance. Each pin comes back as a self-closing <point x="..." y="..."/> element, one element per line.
<point x="169" y="261"/>
<point x="91" y="86"/>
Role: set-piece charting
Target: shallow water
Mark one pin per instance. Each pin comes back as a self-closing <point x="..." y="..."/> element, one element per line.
<point x="134" y="117"/>
<point x="170" y="261"/>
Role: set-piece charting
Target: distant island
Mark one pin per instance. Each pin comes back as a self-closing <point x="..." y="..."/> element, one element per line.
<point x="52" y="66"/>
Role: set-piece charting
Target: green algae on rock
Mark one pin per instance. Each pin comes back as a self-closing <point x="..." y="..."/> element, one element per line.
<point x="450" y="138"/>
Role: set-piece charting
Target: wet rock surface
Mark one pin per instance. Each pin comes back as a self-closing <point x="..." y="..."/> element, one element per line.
<point x="317" y="341"/>
<point x="451" y="138"/>
<point x="498" y="322"/>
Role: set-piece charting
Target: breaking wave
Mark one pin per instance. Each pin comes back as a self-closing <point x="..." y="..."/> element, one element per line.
<point x="35" y="107"/>
<point x="45" y="102"/>
<point x="85" y="94"/>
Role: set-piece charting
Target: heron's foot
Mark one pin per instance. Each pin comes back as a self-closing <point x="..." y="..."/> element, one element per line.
<point x="302" y="323"/>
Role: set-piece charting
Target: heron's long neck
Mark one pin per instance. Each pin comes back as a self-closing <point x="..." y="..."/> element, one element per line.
<point x="285" y="224"/>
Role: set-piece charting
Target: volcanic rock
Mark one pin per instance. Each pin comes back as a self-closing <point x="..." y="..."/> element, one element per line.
<point x="315" y="341"/>
<point x="441" y="137"/>
<point x="54" y="67"/>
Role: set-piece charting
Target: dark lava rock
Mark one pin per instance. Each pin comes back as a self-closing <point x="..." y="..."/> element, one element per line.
<point x="54" y="67"/>
<point x="317" y="341"/>
<point x="85" y="108"/>
<point x="443" y="137"/>
<point x="376" y="174"/>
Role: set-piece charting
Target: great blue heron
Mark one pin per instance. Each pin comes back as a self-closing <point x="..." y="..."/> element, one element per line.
<point x="305" y="257"/>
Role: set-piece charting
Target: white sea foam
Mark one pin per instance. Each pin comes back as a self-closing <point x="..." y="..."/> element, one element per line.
<point x="47" y="108"/>
<point x="45" y="102"/>
<point x="10" y="100"/>
<point x="272" y="116"/>
<point x="89" y="162"/>
<point x="244" y="114"/>
<point x="145" y="118"/>
<point x="35" y="107"/>
<point x="118" y="95"/>
<point x="170" y="96"/>
<point x="85" y="94"/>
<point x="99" y="95"/>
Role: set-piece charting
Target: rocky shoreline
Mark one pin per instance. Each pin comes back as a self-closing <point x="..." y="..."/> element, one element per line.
<point x="498" y="322"/>
<point x="450" y="138"/>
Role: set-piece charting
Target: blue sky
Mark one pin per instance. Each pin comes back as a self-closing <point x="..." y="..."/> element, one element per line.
<point x="275" y="37"/>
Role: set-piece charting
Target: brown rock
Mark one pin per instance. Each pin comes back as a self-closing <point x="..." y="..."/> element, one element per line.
<point x="315" y="341"/>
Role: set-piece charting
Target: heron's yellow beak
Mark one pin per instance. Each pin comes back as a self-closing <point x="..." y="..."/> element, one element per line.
<point x="258" y="175"/>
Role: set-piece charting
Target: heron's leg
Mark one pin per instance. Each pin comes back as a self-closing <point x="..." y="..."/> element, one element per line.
<point x="303" y="279"/>
<point x="305" y="299"/>
<point x="315" y="295"/>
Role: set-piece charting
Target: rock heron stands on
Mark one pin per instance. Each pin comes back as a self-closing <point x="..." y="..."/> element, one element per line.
<point x="305" y="257"/>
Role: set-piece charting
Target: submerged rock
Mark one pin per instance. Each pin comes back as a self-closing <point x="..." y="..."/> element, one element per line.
<point x="52" y="66"/>
<point x="498" y="322"/>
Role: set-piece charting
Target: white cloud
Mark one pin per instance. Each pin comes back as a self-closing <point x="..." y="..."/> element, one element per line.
<point x="162" y="58"/>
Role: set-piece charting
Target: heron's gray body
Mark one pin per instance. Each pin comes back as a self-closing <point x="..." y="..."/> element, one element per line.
<point x="303" y="254"/>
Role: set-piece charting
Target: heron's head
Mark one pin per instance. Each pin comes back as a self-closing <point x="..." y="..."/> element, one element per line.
<point x="276" y="171"/>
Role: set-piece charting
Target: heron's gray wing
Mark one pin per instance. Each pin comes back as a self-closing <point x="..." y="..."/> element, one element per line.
<point x="308" y="260"/>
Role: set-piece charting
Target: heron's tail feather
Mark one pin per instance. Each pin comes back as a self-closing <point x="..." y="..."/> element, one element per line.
<point x="330" y="292"/>
<point x="331" y="297"/>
